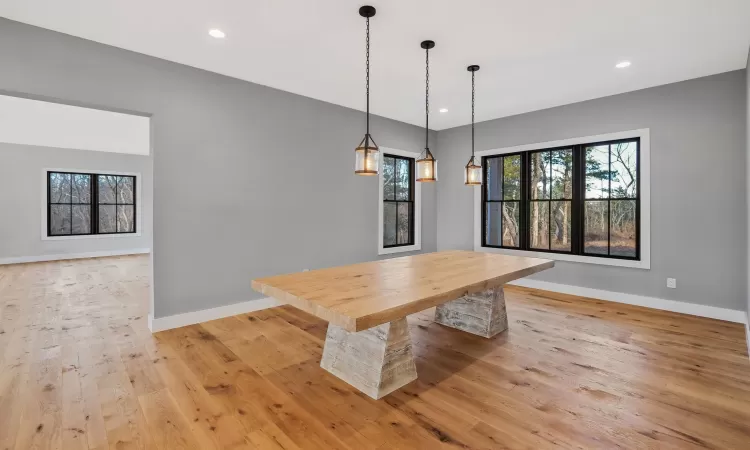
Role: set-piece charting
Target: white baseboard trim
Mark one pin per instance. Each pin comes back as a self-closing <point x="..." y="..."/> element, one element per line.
<point x="191" y="318"/>
<point x="42" y="258"/>
<point x="712" y="312"/>
<point x="731" y="315"/>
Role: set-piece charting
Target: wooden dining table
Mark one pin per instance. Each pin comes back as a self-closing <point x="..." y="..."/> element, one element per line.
<point x="366" y="305"/>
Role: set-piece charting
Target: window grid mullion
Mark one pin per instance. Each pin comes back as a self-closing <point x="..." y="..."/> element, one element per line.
<point x="609" y="200"/>
<point x="549" y="206"/>
<point x="95" y="204"/>
<point x="502" y="200"/>
<point x="70" y="208"/>
<point x="117" y="207"/>
<point x="395" y="197"/>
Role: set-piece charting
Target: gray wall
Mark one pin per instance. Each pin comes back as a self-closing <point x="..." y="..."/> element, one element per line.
<point x="248" y="181"/>
<point x="22" y="194"/>
<point x="698" y="214"/>
<point x="747" y="171"/>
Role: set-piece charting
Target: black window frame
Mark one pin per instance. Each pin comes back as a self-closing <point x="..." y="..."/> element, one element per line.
<point x="502" y="201"/>
<point x="93" y="203"/>
<point x="412" y="180"/>
<point x="577" y="245"/>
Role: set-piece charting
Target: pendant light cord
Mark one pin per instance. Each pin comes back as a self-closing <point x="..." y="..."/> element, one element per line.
<point x="427" y="99"/>
<point x="472" y="117"/>
<point x="367" y="75"/>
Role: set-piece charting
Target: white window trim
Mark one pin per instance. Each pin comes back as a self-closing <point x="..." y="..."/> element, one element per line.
<point x="417" y="205"/>
<point x="138" y="206"/>
<point x="645" y="186"/>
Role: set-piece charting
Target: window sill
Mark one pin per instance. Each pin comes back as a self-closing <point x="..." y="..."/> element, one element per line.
<point x="406" y="248"/>
<point x="89" y="236"/>
<point x="642" y="264"/>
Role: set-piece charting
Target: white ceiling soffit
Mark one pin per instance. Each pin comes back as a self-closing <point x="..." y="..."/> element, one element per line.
<point x="35" y="122"/>
<point x="534" y="54"/>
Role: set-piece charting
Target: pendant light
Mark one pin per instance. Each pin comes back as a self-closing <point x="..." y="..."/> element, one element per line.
<point x="367" y="152"/>
<point x="427" y="164"/>
<point x="472" y="171"/>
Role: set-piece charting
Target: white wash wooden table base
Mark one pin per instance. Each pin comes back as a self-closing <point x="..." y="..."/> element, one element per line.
<point x="366" y="305"/>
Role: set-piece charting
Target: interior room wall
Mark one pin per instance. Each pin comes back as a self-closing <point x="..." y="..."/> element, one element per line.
<point x="22" y="195"/>
<point x="249" y="181"/>
<point x="698" y="185"/>
<point x="747" y="143"/>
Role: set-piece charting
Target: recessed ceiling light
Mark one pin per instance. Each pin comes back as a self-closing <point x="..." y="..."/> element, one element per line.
<point x="622" y="64"/>
<point x="218" y="34"/>
<point x="443" y="110"/>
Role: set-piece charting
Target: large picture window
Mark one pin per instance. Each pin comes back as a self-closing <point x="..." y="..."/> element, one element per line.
<point x="581" y="199"/>
<point x="86" y="204"/>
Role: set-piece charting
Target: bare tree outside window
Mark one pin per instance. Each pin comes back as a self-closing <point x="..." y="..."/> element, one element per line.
<point x="611" y="199"/>
<point x="551" y="195"/>
<point x="398" y="201"/>
<point x="81" y="204"/>
<point x="581" y="200"/>
<point x="503" y="193"/>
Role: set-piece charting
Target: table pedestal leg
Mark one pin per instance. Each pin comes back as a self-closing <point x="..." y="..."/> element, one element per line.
<point x="482" y="313"/>
<point x="376" y="361"/>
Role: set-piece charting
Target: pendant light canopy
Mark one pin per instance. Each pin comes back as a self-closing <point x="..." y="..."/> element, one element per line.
<point x="367" y="152"/>
<point x="427" y="164"/>
<point x="472" y="171"/>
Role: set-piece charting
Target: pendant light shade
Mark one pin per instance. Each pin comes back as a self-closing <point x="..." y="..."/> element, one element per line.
<point x="367" y="153"/>
<point x="472" y="171"/>
<point x="367" y="156"/>
<point x="427" y="164"/>
<point x="426" y="167"/>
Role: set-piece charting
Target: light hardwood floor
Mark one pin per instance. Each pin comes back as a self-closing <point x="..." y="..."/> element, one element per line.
<point x="79" y="369"/>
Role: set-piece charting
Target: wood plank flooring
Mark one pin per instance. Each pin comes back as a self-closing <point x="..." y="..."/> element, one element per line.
<point x="80" y="370"/>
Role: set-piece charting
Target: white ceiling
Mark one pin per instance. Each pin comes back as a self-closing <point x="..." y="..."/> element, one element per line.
<point x="534" y="54"/>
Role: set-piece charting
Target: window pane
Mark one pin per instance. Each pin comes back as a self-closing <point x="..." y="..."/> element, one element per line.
<point x="597" y="171"/>
<point x="511" y="215"/>
<point x="624" y="173"/>
<point x="622" y="228"/>
<point x="512" y="177"/>
<point x="404" y="224"/>
<point x="59" y="184"/>
<point x="595" y="223"/>
<point x="540" y="176"/>
<point x="125" y="222"/>
<point x="59" y="219"/>
<point x="107" y="221"/>
<point x="492" y="224"/>
<point x="494" y="186"/>
<point x="389" y="223"/>
<point x="403" y="178"/>
<point x="125" y="190"/>
<point x="81" y="219"/>
<point x="81" y="188"/>
<point x="539" y="225"/>
<point x="562" y="174"/>
<point x="107" y="186"/>
<point x="561" y="229"/>
<point x="389" y="178"/>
